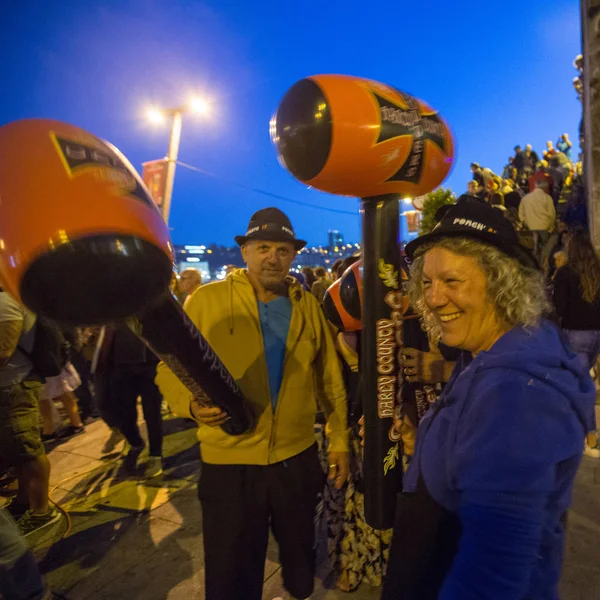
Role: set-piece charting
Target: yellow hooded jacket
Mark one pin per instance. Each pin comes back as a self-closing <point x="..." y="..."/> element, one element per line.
<point x="226" y="313"/>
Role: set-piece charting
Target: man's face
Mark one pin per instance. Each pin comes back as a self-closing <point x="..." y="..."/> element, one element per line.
<point x="188" y="281"/>
<point x="472" y="187"/>
<point x="549" y="145"/>
<point x="528" y="147"/>
<point x="268" y="262"/>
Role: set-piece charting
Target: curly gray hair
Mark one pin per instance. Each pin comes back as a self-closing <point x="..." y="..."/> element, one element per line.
<point x="517" y="292"/>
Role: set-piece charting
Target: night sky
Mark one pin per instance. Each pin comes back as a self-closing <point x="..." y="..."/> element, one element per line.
<point x="500" y="72"/>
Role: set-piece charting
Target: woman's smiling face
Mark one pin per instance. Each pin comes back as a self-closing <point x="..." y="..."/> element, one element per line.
<point x="454" y="289"/>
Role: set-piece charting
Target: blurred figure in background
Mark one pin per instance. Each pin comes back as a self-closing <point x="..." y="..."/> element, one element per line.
<point x="60" y="389"/>
<point x="189" y="281"/>
<point x="335" y="270"/>
<point x="130" y="368"/>
<point x="310" y="277"/>
<point x="537" y="211"/>
<point x="577" y="303"/>
<point x="321" y="284"/>
<point x="564" y="145"/>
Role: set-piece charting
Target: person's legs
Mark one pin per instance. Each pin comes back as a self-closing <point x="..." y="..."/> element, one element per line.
<point x="235" y="518"/>
<point x="294" y="485"/>
<point x="151" y="405"/>
<point x="124" y="392"/>
<point x="69" y="401"/>
<point x="547" y="248"/>
<point x="83" y="393"/>
<point x="20" y="578"/>
<point x="34" y="478"/>
<point x="104" y="400"/>
<point x="21" y="444"/>
<point x="49" y="416"/>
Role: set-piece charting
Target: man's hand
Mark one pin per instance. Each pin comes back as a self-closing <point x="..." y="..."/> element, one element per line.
<point x="361" y="432"/>
<point x="339" y="467"/>
<point x="212" y="416"/>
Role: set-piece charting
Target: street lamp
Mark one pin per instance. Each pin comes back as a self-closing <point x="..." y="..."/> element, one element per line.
<point x="159" y="115"/>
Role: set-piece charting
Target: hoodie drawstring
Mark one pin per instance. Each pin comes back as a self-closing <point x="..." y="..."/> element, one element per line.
<point x="230" y="305"/>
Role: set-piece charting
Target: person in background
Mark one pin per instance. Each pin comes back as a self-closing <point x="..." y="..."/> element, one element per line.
<point x="321" y="284"/>
<point x="189" y="281"/>
<point x="564" y="145"/>
<point x="576" y="215"/>
<point x="21" y="445"/>
<point x="472" y="188"/>
<point x="537" y="211"/>
<point x="512" y="195"/>
<point x="519" y="161"/>
<point x="485" y="496"/>
<point x="541" y="176"/>
<point x="130" y="368"/>
<point x="557" y="243"/>
<point x="80" y="354"/>
<point x="61" y="389"/>
<point x="497" y="202"/>
<point x="560" y="260"/>
<point x="335" y="270"/>
<point x="577" y="304"/>
<point x="531" y="159"/>
<point x="310" y="276"/>
<point x="508" y="171"/>
<point x="550" y="151"/>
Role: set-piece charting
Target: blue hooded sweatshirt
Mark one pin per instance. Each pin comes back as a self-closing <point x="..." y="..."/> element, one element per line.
<point x="500" y="449"/>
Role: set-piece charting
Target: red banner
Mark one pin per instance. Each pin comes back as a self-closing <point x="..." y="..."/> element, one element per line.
<point x="412" y="221"/>
<point x="155" y="178"/>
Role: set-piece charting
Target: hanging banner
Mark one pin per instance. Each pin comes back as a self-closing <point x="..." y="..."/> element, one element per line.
<point x="154" y="175"/>
<point x="412" y="221"/>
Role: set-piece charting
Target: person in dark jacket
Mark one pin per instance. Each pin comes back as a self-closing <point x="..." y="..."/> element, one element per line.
<point x="577" y="303"/>
<point x="131" y="369"/>
<point x="519" y="160"/>
<point x="531" y="159"/>
<point x="486" y="493"/>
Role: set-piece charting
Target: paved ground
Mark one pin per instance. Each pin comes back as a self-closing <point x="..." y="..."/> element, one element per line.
<point x="133" y="539"/>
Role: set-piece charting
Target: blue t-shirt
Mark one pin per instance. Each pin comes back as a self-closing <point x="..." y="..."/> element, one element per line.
<point x="275" y="317"/>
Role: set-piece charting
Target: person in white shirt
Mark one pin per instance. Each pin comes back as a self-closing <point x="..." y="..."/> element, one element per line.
<point x="538" y="213"/>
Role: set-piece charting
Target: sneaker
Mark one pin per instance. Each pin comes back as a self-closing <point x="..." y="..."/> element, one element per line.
<point x="154" y="467"/>
<point x="48" y="437"/>
<point x="70" y="431"/>
<point x="17" y="510"/>
<point x="131" y="458"/>
<point x="111" y="443"/>
<point x="592" y="451"/>
<point x="30" y="523"/>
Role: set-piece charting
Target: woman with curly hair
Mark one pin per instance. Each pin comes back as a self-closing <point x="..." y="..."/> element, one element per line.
<point x="577" y="302"/>
<point x="485" y="496"/>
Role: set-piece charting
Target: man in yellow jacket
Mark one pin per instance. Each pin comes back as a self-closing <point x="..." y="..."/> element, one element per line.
<point x="274" y="339"/>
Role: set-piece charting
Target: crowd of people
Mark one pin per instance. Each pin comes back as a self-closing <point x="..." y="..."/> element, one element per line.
<point x="493" y="350"/>
<point x="541" y="196"/>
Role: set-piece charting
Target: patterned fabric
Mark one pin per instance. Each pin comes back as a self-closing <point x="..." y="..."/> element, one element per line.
<point x="349" y="552"/>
